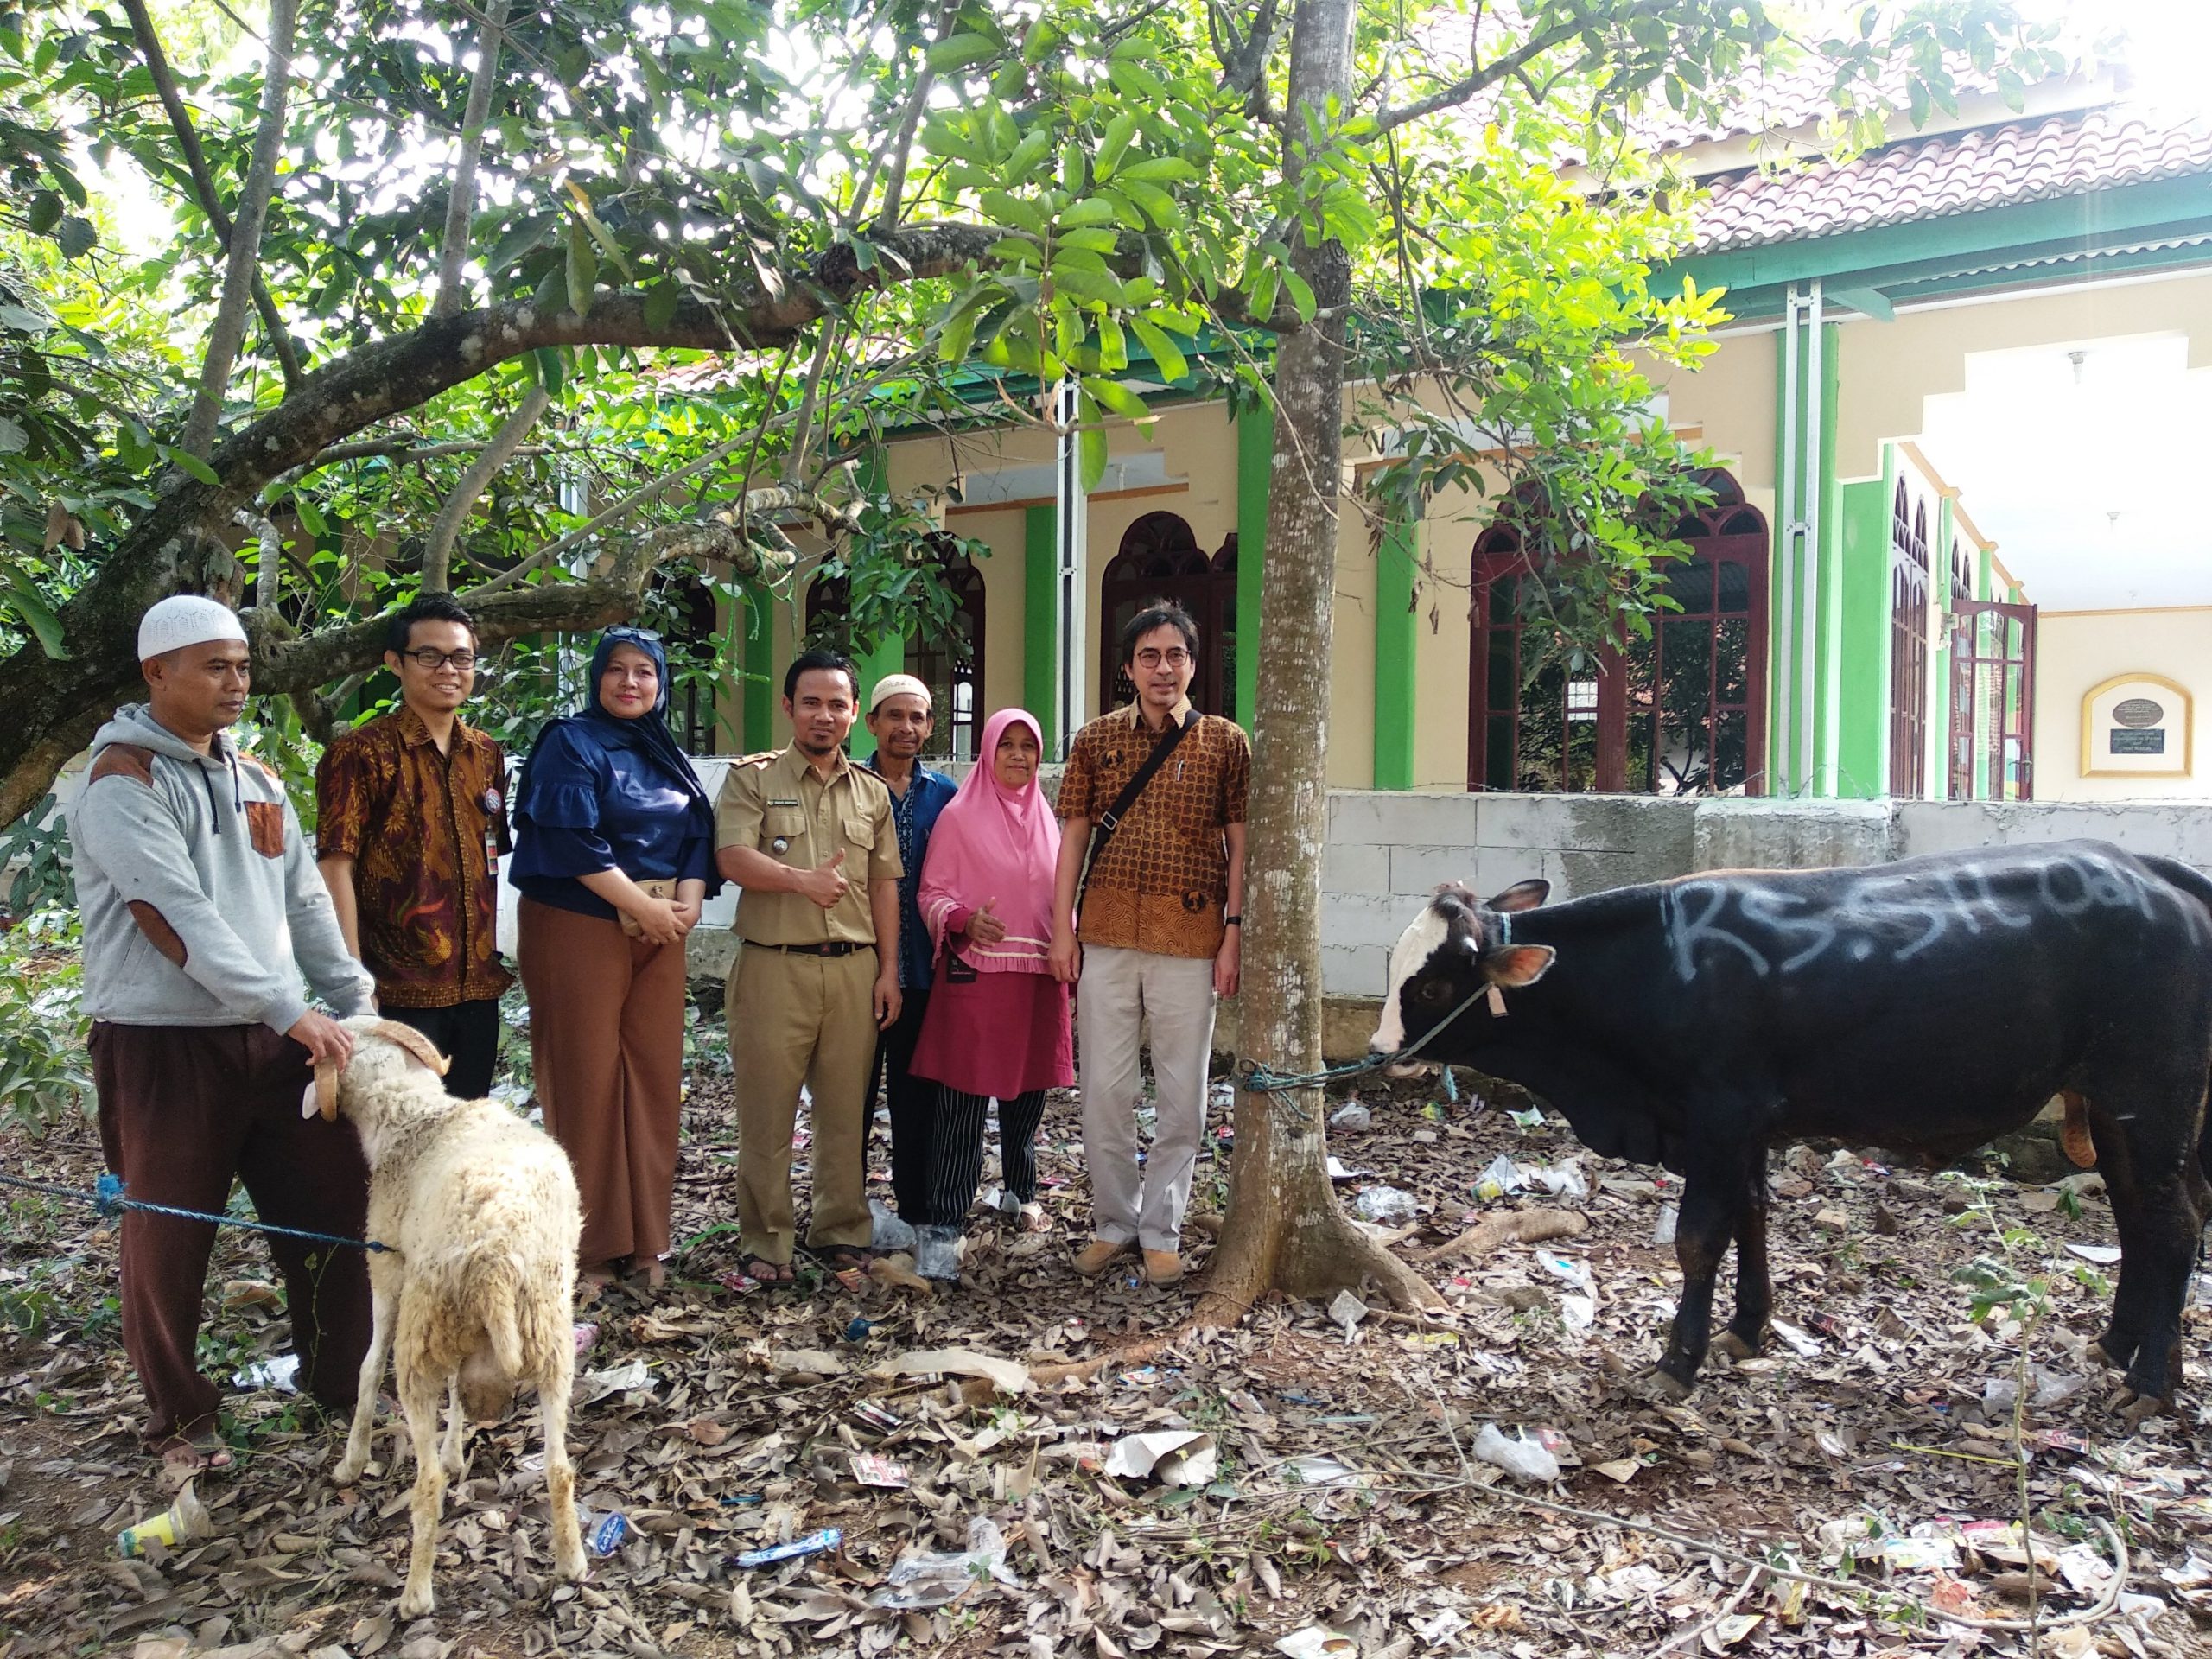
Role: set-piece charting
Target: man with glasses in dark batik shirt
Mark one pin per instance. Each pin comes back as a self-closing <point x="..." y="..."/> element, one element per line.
<point x="412" y="818"/>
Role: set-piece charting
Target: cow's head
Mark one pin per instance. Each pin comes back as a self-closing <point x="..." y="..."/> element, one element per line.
<point x="1457" y="948"/>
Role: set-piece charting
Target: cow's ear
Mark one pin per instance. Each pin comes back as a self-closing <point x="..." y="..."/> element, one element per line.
<point x="1518" y="964"/>
<point x="1521" y="896"/>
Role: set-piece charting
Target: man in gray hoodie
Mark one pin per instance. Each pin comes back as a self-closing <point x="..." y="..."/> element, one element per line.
<point x="202" y="911"/>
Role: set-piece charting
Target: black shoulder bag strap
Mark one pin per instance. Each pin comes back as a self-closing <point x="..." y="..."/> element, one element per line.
<point x="1103" y="832"/>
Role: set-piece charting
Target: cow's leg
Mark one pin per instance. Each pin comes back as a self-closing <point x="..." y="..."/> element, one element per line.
<point x="1746" y="1332"/>
<point x="2160" y="1197"/>
<point x="1713" y="1198"/>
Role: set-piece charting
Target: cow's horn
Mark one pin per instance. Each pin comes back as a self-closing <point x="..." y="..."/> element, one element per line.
<point x="414" y="1042"/>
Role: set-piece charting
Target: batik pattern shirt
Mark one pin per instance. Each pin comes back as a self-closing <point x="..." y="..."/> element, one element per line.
<point x="423" y="829"/>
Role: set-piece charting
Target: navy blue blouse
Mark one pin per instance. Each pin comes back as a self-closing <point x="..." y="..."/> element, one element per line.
<point x="592" y="802"/>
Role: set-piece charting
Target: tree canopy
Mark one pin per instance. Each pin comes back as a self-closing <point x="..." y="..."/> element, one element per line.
<point x="550" y="298"/>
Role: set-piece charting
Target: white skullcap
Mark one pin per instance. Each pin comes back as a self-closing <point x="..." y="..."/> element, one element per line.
<point x="184" y="619"/>
<point x="894" y="685"/>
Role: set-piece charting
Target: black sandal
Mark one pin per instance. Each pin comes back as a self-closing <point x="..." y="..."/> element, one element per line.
<point x="846" y="1258"/>
<point x="773" y="1275"/>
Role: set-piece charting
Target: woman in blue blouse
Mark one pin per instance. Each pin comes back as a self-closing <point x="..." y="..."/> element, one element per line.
<point x="613" y="856"/>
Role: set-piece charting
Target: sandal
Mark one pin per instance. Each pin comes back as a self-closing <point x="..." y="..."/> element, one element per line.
<point x="845" y="1258"/>
<point x="1030" y="1217"/>
<point x="775" y="1275"/>
<point x="186" y="1456"/>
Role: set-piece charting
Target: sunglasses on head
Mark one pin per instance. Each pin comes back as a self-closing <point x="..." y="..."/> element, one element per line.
<point x="645" y="635"/>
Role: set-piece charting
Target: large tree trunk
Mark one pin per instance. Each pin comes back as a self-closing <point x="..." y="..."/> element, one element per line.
<point x="1285" y="1229"/>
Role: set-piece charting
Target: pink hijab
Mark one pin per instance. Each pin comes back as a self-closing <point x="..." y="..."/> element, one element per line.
<point x="997" y="846"/>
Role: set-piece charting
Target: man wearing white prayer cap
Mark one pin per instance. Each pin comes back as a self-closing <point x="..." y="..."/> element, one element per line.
<point x="206" y="929"/>
<point x="900" y="717"/>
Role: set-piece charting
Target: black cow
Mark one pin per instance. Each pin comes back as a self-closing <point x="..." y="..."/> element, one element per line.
<point x="1927" y="1006"/>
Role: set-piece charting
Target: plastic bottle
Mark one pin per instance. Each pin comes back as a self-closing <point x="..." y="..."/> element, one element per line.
<point x="605" y="1531"/>
<point x="183" y="1520"/>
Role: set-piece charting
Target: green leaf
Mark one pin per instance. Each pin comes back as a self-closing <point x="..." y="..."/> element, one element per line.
<point x="582" y="269"/>
<point x="37" y="616"/>
<point x="1027" y="154"/>
<point x="310" y="517"/>
<point x="1166" y="354"/>
<point x="1072" y="167"/>
<point x="1091" y="210"/>
<point x="1111" y="147"/>
<point x="1159" y="207"/>
<point x="45" y="211"/>
<point x="1005" y="209"/>
<point x="1301" y="294"/>
<point x="661" y="301"/>
<point x="191" y="464"/>
<point x="521" y="238"/>
<point x="1118" y="398"/>
<point x="552" y="370"/>
<point x="75" y="236"/>
<point x="1090" y="454"/>
<point x="1262" y="301"/>
<point x="1157" y="169"/>
<point x="956" y="52"/>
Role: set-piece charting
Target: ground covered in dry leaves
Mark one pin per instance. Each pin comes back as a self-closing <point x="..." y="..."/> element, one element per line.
<point x="1321" y="1490"/>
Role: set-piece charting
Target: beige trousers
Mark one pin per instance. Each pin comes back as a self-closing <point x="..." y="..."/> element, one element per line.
<point x="802" y="1020"/>
<point x="1120" y="991"/>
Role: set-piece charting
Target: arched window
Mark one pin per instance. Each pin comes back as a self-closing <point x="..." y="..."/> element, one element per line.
<point x="1683" y="712"/>
<point x="1909" y="599"/>
<point x="952" y="667"/>
<point x="1160" y="558"/>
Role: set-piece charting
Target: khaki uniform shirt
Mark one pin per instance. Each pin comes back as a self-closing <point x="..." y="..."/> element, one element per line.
<point x="778" y="803"/>
<point x="1162" y="882"/>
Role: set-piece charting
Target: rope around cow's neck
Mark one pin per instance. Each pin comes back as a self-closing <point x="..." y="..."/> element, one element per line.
<point x="1261" y="1079"/>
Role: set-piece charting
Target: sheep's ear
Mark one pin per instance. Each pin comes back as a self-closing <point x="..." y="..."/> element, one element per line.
<point x="321" y="1097"/>
<point x="421" y="1047"/>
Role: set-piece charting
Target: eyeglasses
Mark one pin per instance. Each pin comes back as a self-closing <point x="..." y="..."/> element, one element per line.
<point x="1175" y="658"/>
<point x="432" y="659"/>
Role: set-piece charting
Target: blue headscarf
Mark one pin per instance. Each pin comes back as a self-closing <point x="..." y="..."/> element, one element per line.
<point x="648" y="732"/>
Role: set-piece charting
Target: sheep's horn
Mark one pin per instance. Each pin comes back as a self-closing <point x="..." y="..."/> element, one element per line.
<point x="414" y="1042"/>
<point x="326" y="1089"/>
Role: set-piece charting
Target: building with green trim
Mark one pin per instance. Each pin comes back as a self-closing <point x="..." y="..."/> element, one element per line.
<point x="1848" y="629"/>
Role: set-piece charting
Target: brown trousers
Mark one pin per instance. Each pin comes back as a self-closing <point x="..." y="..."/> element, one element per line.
<point x="607" y="1045"/>
<point x="183" y="1110"/>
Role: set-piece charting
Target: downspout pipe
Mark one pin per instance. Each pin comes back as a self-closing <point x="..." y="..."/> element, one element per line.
<point x="1808" y="596"/>
<point x="1783" y="765"/>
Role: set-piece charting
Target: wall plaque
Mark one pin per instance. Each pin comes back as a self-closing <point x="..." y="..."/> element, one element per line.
<point x="2136" y="726"/>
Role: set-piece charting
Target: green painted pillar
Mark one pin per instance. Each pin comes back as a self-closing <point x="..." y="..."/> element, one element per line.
<point x="1255" y="448"/>
<point x="888" y="657"/>
<point x="1396" y="645"/>
<point x="1040" y="620"/>
<point x="1827" y="716"/>
<point x="1864" y="686"/>
<point x="757" y="660"/>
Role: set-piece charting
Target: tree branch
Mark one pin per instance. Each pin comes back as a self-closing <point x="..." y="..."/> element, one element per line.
<point x="902" y="147"/>
<point x="437" y="557"/>
<point x="461" y="207"/>
<point x="203" y="184"/>
<point x="229" y="330"/>
<point x="1485" y="76"/>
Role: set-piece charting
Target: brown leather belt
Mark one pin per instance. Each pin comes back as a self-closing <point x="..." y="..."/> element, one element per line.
<point x="827" y="948"/>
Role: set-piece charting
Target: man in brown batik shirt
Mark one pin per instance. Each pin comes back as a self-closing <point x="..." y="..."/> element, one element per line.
<point x="412" y="818"/>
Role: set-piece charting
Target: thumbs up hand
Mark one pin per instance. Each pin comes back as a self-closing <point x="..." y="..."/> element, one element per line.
<point x="984" y="927"/>
<point x="825" y="884"/>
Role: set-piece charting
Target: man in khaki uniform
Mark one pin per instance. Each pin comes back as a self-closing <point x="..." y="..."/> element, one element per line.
<point x="811" y="839"/>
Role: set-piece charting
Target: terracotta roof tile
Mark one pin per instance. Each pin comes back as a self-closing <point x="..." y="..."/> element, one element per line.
<point x="2028" y="160"/>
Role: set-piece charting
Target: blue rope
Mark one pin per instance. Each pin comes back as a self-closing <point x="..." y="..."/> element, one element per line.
<point x="109" y="1200"/>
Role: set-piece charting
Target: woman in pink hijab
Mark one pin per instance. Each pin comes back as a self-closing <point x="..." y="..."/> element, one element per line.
<point x="997" y="1025"/>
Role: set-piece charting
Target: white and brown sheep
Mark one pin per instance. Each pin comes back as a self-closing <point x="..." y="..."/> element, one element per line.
<point x="475" y="1298"/>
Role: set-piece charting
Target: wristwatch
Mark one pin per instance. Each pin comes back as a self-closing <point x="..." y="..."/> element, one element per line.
<point x="1232" y="921"/>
